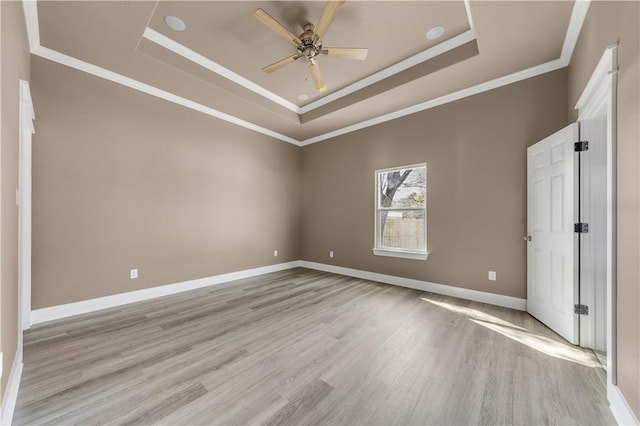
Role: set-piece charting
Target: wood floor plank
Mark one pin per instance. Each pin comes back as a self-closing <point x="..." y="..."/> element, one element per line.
<point x="306" y="347"/>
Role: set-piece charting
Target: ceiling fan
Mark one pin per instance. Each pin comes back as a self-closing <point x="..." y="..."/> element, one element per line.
<point x="309" y="43"/>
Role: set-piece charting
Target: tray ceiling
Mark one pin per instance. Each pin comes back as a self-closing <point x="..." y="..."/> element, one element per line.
<point x="233" y="38"/>
<point x="215" y="64"/>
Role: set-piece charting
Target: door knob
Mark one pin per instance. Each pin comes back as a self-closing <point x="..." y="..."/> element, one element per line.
<point x="527" y="238"/>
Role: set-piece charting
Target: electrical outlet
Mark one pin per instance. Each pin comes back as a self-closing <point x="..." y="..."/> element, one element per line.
<point x="331" y="253"/>
<point x="275" y="253"/>
<point x="492" y="275"/>
<point x="133" y="274"/>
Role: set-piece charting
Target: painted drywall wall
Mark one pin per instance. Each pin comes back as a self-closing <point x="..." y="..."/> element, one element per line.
<point x="124" y="180"/>
<point x="475" y="150"/>
<point x="607" y="23"/>
<point x="15" y="66"/>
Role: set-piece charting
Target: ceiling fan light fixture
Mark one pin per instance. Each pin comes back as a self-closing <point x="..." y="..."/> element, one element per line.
<point x="309" y="43"/>
<point x="435" y="33"/>
<point x="175" y="23"/>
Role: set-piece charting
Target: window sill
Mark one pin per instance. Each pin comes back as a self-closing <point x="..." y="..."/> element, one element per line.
<point x="415" y="255"/>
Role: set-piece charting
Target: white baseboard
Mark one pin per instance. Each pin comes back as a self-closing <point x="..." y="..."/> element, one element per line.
<point x="619" y="407"/>
<point x="70" y="309"/>
<point x="462" y="293"/>
<point x="11" y="392"/>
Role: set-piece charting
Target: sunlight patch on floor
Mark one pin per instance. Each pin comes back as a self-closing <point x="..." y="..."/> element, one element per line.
<point x="472" y="313"/>
<point x="543" y="344"/>
<point x="521" y="335"/>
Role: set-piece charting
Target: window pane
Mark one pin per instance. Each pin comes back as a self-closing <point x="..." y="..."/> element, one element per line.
<point x="402" y="229"/>
<point x="402" y="187"/>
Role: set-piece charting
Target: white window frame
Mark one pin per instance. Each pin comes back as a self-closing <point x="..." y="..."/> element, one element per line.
<point x="378" y="249"/>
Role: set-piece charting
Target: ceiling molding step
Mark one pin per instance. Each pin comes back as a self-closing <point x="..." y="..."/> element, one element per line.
<point x="467" y="8"/>
<point x="403" y="65"/>
<point x="180" y="49"/>
<point x="251" y="100"/>
<point x="464" y="93"/>
<point x="578" y="15"/>
<point x="69" y="61"/>
<point x="437" y="63"/>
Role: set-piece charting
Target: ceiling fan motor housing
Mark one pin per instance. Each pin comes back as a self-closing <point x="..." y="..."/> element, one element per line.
<point x="311" y="44"/>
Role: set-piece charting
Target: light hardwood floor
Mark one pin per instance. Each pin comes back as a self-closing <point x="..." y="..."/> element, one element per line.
<point x="307" y="347"/>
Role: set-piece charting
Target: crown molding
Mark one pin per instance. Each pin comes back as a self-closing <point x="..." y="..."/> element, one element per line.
<point x="33" y="34"/>
<point x="578" y="15"/>
<point x="573" y="31"/>
<point x="75" y="63"/>
<point x="180" y="49"/>
<point x="460" y="94"/>
<point x="30" y="9"/>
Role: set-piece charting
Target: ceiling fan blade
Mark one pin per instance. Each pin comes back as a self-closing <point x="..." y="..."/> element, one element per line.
<point x="317" y="77"/>
<point x="346" y="53"/>
<point x="276" y="26"/>
<point x="281" y="63"/>
<point x="328" y="15"/>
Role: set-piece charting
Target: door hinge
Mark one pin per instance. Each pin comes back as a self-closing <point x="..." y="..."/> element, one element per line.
<point x="581" y="309"/>
<point x="581" y="146"/>
<point x="581" y="228"/>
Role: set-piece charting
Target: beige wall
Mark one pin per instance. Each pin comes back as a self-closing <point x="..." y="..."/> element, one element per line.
<point x="125" y="180"/>
<point x="475" y="150"/>
<point x="15" y="66"/>
<point x="607" y="23"/>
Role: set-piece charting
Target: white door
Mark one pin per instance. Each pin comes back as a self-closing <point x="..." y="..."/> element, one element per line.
<point x="552" y="277"/>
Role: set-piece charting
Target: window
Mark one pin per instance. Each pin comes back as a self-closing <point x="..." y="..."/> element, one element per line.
<point x="401" y="212"/>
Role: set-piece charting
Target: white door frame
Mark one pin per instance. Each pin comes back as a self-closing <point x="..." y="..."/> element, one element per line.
<point x="593" y="211"/>
<point x="27" y="130"/>
<point x="603" y="84"/>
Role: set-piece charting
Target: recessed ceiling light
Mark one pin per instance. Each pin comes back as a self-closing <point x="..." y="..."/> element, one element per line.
<point x="303" y="97"/>
<point x="175" y="23"/>
<point x="435" y="32"/>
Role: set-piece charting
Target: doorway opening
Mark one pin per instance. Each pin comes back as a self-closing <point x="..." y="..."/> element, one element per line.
<point x="571" y="213"/>
<point x="597" y="117"/>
